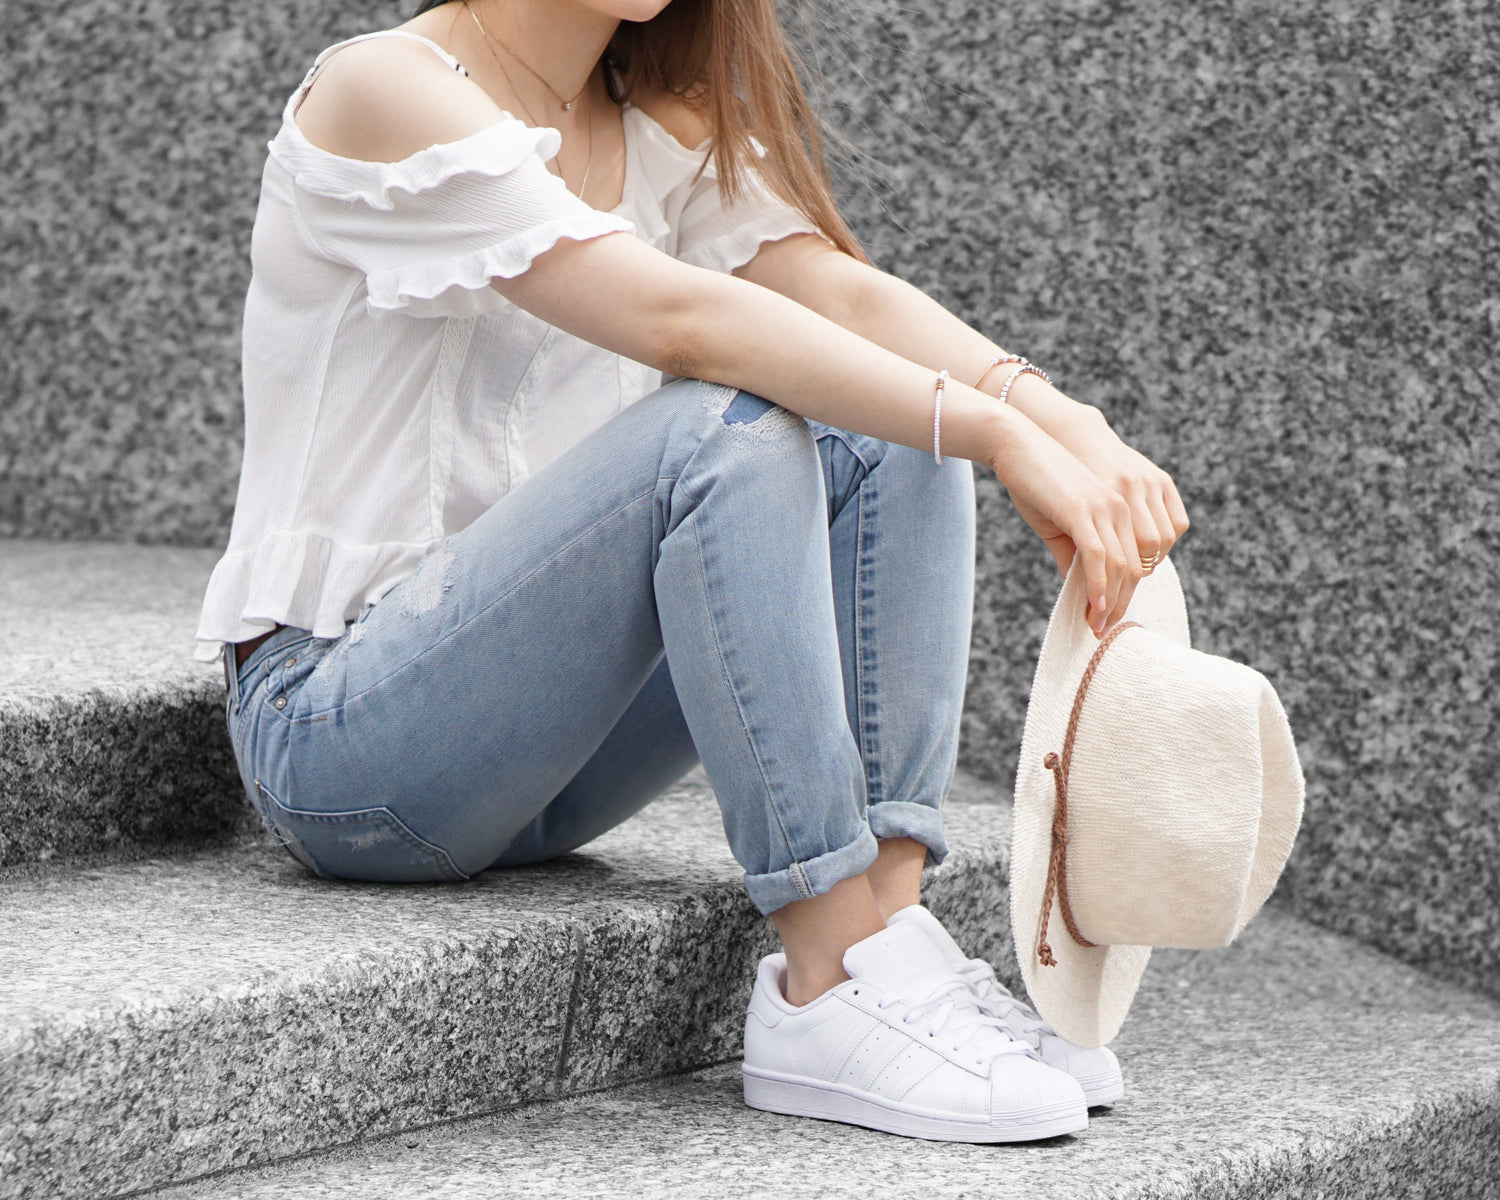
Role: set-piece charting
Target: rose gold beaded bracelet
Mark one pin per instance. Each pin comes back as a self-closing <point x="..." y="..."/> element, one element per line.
<point x="995" y="362"/>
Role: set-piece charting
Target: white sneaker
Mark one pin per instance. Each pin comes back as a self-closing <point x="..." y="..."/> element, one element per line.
<point x="1096" y="1068"/>
<point x="902" y="1046"/>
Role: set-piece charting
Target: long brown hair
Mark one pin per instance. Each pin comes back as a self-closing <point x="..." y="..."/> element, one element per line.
<point x="732" y="61"/>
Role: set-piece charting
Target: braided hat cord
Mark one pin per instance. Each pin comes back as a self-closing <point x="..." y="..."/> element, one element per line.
<point x="1057" y="863"/>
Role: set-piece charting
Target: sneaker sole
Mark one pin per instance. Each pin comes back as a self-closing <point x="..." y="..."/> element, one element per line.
<point x="1102" y="1089"/>
<point x="797" y="1096"/>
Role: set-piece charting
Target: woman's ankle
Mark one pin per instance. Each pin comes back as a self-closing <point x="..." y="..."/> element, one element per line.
<point x="896" y="874"/>
<point x="816" y="932"/>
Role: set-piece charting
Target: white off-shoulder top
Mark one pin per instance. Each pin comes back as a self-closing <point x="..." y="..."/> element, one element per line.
<point x="391" y="395"/>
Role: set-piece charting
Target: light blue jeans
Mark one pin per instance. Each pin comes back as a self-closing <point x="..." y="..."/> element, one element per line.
<point x="706" y="576"/>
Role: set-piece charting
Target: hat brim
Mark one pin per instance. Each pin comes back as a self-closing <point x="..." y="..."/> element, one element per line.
<point x="1086" y="995"/>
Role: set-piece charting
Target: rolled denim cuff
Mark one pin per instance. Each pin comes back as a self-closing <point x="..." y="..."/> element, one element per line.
<point x="804" y="880"/>
<point x="920" y="822"/>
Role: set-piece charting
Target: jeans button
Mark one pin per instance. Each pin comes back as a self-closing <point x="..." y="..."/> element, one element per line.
<point x="279" y="702"/>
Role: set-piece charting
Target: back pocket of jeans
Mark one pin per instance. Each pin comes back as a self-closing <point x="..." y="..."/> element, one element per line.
<point x="371" y="845"/>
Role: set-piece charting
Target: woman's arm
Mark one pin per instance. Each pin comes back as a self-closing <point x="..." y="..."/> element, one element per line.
<point x="618" y="292"/>
<point x="892" y="313"/>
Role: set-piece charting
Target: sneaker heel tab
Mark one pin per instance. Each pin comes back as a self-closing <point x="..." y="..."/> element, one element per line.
<point x="768" y="996"/>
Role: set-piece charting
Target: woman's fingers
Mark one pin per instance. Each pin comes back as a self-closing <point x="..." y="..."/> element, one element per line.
<point x="1108" y="568"/>
<point x="1166" y="536"/>
<point x="1152" y="535"/>
<point x="1174" y="506"/>
<point x="1078" y="515"/>
<point x="1126" y="565"/>
<point x="1062" y="550"/>
<point x="1096" y="574"/>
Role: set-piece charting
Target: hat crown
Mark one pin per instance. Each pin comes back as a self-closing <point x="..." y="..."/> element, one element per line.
<point x="1182" y="794"/>
<point x="1166" y="791"/>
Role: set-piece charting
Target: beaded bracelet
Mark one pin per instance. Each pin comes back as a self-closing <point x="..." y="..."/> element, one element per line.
<point x="937" y="409"/>
<point x="995" y="362"/>
<point x="1024" y="369"/>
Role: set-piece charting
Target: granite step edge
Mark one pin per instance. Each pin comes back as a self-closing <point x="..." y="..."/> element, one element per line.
<point x="1439" y="1148"/>
<point x="116" y="773"/>
<point x="132" y="1095"/>
<point x="1281" y="1084"/>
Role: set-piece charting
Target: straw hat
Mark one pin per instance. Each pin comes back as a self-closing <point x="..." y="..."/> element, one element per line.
<point x="1180" y="790"/>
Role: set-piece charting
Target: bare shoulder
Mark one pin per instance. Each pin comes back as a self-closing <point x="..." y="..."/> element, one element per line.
<point x="385" y="98"/>
<point x="686" y="124"/>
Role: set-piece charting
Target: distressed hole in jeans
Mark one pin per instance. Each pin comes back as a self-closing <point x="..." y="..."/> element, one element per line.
<point x="749" y="415"/>
<point x="425" y="588"/>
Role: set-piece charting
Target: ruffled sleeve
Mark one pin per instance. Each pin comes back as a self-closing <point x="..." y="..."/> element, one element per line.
<point x="430" y="231"/>
<point x="721" y="239"/>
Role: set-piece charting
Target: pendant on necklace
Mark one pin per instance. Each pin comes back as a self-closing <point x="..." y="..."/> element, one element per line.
<point x="567" y="104"/>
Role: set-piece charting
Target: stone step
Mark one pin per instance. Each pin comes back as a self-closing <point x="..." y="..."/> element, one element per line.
<point x="1295" y="1063"/>
<point x="112" y="739"/>
<point x="167" y="1018"/>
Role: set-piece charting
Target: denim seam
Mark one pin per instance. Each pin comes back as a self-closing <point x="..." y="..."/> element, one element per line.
<point x="758" y="885"/>
<point x="399" y="827"/>
<point x="273" y="663"/>
<point x="678" y="482"/>
<point x="866" y="668"/>
<point x="799" y="876"/>
<point x="906" y="817"/>
<point x="238" y="723"/>
<point x="832" y="432"/>
<point x="262" y="669"/>
<point x="268" y="662"/>
<point x="347" y="700"/>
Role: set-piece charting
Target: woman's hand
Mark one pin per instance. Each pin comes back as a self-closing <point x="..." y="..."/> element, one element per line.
<point x="1072" y="510"/>
<point x="1157" y="514"/>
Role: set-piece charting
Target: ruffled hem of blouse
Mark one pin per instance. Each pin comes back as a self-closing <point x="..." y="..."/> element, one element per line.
<point x="297" y="578"/>
<point x="494" y="151"/>
<point x="460" y="286"/>
<point x="739" y="244"/>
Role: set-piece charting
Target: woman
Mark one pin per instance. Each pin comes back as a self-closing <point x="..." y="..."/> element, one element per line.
<point x="492" y="586"/>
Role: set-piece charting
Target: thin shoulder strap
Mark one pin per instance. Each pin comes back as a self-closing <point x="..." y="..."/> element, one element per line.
<point x="295" y="101"/>
<point x="416" y="37"/>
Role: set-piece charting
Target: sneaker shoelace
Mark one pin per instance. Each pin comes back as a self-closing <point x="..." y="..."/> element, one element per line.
<point x="1001" y="1002"/>
<point x="952" y="1010"/>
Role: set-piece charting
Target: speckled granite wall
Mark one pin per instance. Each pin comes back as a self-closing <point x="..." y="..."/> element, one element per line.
<point x="1261" y="236"/>
<point x="128" y="178"/>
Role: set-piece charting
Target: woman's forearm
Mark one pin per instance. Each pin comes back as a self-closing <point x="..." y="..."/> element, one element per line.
<point x="750" y="337"/>
<point x="1103" y="500"/>
<point x="904" y="319"/>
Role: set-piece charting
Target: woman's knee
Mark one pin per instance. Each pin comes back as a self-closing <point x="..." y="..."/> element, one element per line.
<point x="742" y="416"/>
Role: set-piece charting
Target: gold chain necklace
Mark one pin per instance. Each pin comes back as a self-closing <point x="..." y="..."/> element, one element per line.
<point x="589" y="159"/>
<point x="523" y="62"/>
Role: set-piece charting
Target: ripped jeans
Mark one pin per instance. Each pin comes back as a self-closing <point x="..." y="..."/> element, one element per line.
<point x="706" y="576"/>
